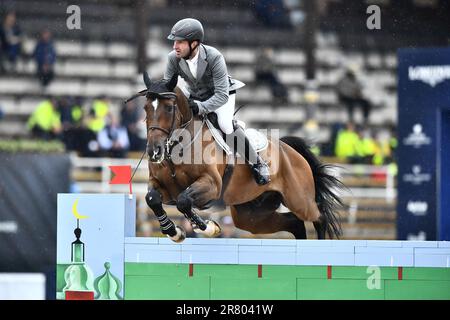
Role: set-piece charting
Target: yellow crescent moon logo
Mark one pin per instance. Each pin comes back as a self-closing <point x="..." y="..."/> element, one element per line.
<point x="75" y="211"/>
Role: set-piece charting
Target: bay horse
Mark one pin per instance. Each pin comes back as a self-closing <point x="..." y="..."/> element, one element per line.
<point x="299" y="180"/>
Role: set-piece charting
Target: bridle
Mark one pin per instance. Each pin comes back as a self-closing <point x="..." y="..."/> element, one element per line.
<point x="164" y="90"/>
<point x="165" y="95"/>
<point x="172" y="137"/>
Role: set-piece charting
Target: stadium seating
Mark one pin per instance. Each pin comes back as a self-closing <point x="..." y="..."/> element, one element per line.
<point x="100" y="58"/>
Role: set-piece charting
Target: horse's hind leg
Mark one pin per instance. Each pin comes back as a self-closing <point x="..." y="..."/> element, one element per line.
<point x="307" y="210"/>
<point x="267" y="221"/>
<point x="294" y="225"/>
<point x="321" y="227"/>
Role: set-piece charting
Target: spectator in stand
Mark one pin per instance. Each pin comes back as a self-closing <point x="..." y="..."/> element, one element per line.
<point x="386" y="148"/>
<point x="65" y="111"/>
<point x="130" y="117"/>
<point x="10" y="38"/>
<point x="76" y="111"/>
<point x="393" y="144"/>
<point x="329" y="147"/>
<point x="272" y="13"/>
<point x="347" y="142"/>
<point x="367" y="146"/>
<point x="113" y="139"/>
<point x="45" y="121"/>
<point x="98" y="114"/>
<point x="45" y="56"/>
<point x="94" y="122"/>
<point x="1" y="113"/>
<point x="71" y="119"/>
<point x="349" y="91"/>
<point x="265" y="73"/>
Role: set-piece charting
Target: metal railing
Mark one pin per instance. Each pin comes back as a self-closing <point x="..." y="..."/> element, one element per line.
<point x="385" y="190"/>
<point x="102" y="164"/>
<point x="374" y="173"/>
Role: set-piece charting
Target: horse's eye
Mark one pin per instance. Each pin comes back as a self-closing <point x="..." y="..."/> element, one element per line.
<point x="169" y="108"/>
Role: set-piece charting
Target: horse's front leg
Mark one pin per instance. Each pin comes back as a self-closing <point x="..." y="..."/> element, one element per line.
<point x="154" y="201"/>
<point x="199" y="193"/>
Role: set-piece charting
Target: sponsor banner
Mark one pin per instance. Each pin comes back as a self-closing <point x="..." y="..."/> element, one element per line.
<point x="417" y="138"/>
<point x="417" y="208"/>
<point x="423" y="86"/>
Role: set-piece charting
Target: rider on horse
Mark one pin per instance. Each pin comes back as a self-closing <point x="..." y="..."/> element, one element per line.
<point x="204" y="70"/>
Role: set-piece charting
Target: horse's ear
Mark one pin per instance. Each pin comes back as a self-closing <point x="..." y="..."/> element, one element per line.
<point x="147" y="80"/>
<point x="172" y="83"/>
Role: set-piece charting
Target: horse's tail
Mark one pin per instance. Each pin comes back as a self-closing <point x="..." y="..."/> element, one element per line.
<point x="327" y="200"/>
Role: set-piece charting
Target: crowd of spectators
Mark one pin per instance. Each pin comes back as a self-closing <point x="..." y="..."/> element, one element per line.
<point x="11" y="49"/>
<point x="358" y="144"/>
<point x="91" y="128"/>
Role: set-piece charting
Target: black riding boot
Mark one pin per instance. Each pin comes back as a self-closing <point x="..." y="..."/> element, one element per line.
<point x="259" y="168"/>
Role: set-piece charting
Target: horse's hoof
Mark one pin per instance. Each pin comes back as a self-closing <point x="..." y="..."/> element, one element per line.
<point x="216" y="228"/>
<point x="212" y="229"/>
<point x="180" y="236"/>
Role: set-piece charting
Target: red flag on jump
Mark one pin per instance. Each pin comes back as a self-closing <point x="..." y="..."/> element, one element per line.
<point x="122" y="175"/>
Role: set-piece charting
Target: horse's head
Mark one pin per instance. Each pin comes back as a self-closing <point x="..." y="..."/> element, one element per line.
<point x="166" y="110"/>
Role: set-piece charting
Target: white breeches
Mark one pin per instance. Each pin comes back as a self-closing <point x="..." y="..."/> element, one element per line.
<point x="225" y="115"/>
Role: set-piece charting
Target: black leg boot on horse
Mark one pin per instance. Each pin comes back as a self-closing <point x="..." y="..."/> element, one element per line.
<point x="154" y="201"/>
<point x="258" y="166"/>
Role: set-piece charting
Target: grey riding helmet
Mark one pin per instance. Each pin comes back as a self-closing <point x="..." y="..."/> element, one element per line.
<point x="187" y="29"/>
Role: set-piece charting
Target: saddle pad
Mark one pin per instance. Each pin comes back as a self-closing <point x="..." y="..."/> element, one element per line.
<point x="257" y="139"/>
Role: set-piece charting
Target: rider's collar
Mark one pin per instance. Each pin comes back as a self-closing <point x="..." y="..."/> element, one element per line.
<point x="195" y="58"/>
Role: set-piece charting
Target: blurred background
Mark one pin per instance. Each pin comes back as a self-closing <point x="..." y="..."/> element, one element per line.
<point x="312" y="69"/>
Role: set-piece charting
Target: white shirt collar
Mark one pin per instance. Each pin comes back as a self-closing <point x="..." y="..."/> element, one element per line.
<point x="194" y="60"/>
<point x="192" y="63"/>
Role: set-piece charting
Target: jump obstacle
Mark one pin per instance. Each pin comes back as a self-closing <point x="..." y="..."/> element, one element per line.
<point x="199" y="268"/>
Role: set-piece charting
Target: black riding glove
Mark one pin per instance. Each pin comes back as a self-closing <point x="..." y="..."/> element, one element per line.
<point x="194" y="106"/>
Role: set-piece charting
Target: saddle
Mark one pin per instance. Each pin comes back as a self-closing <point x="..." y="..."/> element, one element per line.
<point x="257" y="139"/>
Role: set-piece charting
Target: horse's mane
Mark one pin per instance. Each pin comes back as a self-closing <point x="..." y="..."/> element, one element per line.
<point x="182" y="103"/>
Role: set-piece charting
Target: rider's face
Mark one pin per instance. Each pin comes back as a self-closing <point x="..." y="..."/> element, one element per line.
<point x="181" y="48"/>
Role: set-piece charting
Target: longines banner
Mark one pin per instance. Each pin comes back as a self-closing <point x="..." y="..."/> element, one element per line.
<point x="424" y="144"/>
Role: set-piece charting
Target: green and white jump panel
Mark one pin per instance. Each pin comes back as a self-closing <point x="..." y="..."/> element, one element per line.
<point x="156" y="268"/>
<point x="290" y="252"/>
<point x="99" y="257"/>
